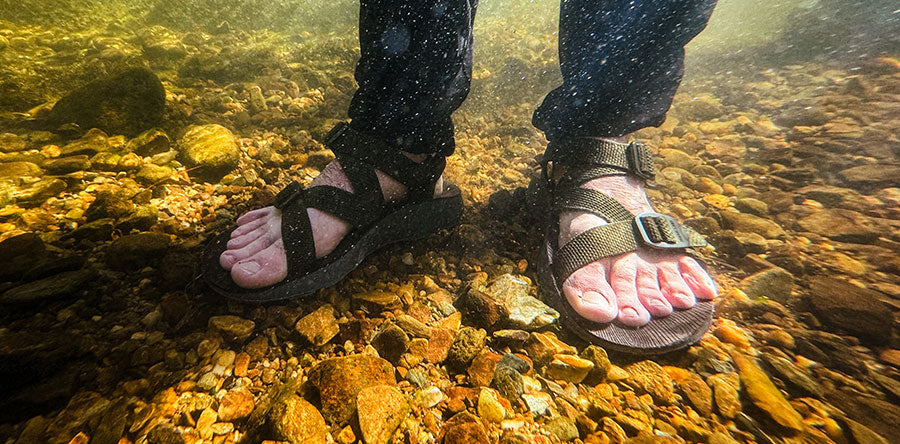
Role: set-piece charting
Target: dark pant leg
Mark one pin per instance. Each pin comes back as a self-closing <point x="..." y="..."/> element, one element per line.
<point x="414" y="70"/>
<point x="621" y="63"/>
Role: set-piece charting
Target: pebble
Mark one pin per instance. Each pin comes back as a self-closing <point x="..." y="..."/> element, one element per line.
<point x="296" y="420"/>
<point x="212" y="148"/>
<point x="538" y="403"/>
<point x="381" y="409"/>
<point x="429" y="397"/>
<point x="340" y="380"/>
<point x="468" y="343"/>
<point x="562" y="428"/>
<point x="236" y="404"/>
<point x="542" y="347"/>
<point x="568" y="368"/>
<point x="232" y="328"/>
<point x="391" y="342"/>
<point x="481" y="371"/>
<point x="463" y="428"/>
<point x="726" y="388"/>
<point x="489" y="406"/>
<point x="649" y="377"/>
<point x="318" y="327"/>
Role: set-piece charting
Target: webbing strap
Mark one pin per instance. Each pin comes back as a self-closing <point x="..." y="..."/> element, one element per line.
<point x="296" y="231"/>
<point x="603" y="157"/>
<point x="583" y="199"/>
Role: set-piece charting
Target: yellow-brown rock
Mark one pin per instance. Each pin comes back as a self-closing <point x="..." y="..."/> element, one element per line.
<point x="765" y="395"/>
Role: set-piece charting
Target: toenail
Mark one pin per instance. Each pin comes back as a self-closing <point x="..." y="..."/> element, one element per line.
<point x="629" y="312"/>
<point x="249" y="267"/>
<point x="683" y="297"/>
<point x="595" y="299"/>
<point x="657" y="303"/>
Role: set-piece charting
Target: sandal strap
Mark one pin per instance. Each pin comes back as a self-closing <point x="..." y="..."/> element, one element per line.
<point x="583" y="199"/>
<point x="652" y="230"/>
<point x="296" y="230"/>
<point x="349" y="145"/>
<point x="595" y="157"/>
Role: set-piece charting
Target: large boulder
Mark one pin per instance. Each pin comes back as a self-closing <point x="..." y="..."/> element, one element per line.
<point x="127" y="103"/>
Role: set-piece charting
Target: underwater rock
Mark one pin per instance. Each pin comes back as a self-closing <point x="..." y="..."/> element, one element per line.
<point x="525" y="311"/>
<point x="66" y="165"/>
<point x="10" y="143"/>
<point x="463" y="428"/>
<point x="698" y="393"/>
<point x="149" y="143"/>
<point x="482" y="369"/>
<point x="649" y="377"/>
<point x="381" y="410"/>
<point x="598" y="356"/>
<point x="773" y="283"/>
<point x="127" y="103"/>
<point x="562" y="428"/>
<point x="136" y="251"/>
<point x="391" y="342"/>
<point x="40" y="191"/>
<point x="50" y="288"/>
<point x="19" y="254"/>
<point x="469" y="341"/>
<point x="794" y="375"/>
<point x="754" y="224"/>
<point x="319" y="326"/>
<point x="232" y="328"/>
<point x="542" y="347"/>
<point x="340" y="380"/>
<point x="765" y="395"/>
<point x="212" y="148"/>
<point x="841" y="225"/>
<point x="872" y="175"/>
<point x="725" y="387"/>
<point x="844" y="306"/>
<point x="236" y="404"/>
<point x="151" y="174"/>
<point x="297" y="421"/>
<point x="13" y="170"/>
<point x="569" y="368"/>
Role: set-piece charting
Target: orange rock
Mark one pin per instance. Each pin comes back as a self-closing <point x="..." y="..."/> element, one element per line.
<point x="729" y="332"/>
<point x="765" y="395"/>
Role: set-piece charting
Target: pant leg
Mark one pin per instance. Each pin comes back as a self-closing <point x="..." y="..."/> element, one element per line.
<point x="621" y="63"/>
<point x="414" y="70"/>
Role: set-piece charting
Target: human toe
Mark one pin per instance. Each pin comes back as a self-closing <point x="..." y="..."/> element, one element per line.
<point x="698" y="279"/>
<point x="249" y="226"/>
<point x="650" y="295"/>
<point x="592" y="299"/>
<point x="265" y="268"/>
<point x="673" y="286"/>
<point x="622" y="279"/>
<point x="254" y="215"/>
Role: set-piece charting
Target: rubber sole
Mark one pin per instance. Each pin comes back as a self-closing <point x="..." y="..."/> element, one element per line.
<point x="680" y="329"/>
<point x="408" y="223"/>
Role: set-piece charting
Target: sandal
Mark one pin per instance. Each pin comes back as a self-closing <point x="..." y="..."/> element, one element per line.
<point x="587" y="159"/>
<point x="375" y="222"/>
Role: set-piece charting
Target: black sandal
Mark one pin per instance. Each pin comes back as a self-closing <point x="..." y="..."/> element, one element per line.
<point x="587" y="159"/>
<point x="376" y="223"/>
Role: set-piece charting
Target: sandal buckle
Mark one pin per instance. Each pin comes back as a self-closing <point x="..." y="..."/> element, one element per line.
<point x="336" y="133"/>
<point x="640" y="161"/>
<point x="661" y="231"/>
<point x="290" y="193"/>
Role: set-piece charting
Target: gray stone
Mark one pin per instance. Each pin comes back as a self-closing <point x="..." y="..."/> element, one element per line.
<point x="773" y="283"/>
<point x="562" y="428"/>
<point x="856" y="310"/>
<point x="465" y="347"/>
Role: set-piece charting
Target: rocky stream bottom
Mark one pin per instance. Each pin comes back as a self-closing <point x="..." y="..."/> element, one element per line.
<point x="107" y="337"/>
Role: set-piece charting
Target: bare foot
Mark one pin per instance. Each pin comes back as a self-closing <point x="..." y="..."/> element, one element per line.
<point x="633" y="287"/>
<point x="255" y="254"/>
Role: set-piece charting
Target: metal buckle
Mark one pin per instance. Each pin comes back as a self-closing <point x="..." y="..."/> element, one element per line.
<point x="682" y="239"/>
<point x="336" y="132"/>
<point x="636" y="165"/>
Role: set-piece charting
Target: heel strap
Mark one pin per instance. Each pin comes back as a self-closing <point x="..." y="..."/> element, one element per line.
<point x="595" y="157"/>
<point x="357" y="149"/>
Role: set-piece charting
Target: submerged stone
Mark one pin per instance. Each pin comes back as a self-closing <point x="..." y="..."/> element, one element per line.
<point x="856" y="310"/>
<point x="381" y="410"/>
<point x="212" y="149"/>
<point x="765" y="395"/>
<point x="127" y="103"/>
<point x="297" y="421"/>
<point x="339" y="381"/>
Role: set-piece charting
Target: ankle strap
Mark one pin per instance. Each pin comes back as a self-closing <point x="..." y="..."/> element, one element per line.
<point x="350" y="145"/>
<point x="595" y="157"/>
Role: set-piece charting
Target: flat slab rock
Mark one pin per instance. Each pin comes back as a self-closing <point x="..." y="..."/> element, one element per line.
<point x="846" y="307"/>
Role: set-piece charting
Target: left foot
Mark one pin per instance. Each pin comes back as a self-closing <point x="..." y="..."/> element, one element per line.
<point x="633" y="287"/>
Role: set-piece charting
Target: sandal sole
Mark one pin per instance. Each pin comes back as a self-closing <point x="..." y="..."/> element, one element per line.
<point x="409" y="223"/>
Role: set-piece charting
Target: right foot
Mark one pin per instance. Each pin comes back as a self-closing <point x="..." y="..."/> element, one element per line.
<point x="255" y="254"/>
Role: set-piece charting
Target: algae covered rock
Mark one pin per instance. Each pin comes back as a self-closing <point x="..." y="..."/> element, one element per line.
<point x="340" y="380"/>
<point x="212" y="148"/>
<point x="127" y="103"/>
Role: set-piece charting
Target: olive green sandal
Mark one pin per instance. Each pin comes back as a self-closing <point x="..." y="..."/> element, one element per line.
<point x="586" y="159"/>
<point x="375" y="222"/>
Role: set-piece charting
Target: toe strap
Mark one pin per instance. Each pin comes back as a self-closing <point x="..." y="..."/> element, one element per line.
<point x="653" y="230"/>
<point x="296" y="230"/>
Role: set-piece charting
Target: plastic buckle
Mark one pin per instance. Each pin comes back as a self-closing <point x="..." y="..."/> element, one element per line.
<point x="290" y="193"/>
<point x="634" y="152"/>
<point x="682" y="240"/>
<point x="336" y="132"/>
